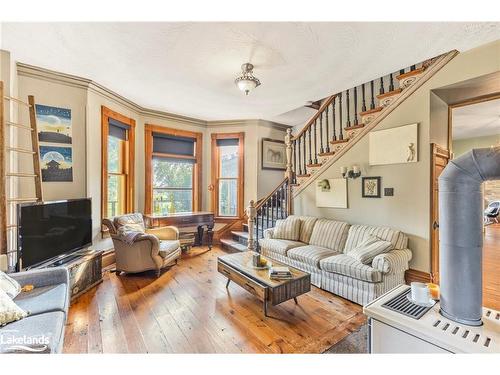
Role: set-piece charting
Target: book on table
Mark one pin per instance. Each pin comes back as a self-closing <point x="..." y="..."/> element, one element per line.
<point x="280" y="273"/>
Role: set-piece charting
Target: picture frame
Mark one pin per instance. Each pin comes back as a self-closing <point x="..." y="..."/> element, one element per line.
<point x="273" y="154"/>
<point x="371" y="187"/>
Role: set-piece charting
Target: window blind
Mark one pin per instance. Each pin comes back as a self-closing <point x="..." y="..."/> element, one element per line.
<point x="167" y="144"/>
<point x="228" y="142"/>
<point x="118" y="129"/>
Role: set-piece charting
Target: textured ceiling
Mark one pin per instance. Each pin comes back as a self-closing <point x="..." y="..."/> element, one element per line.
<point x="477" y="120"/>
<point x="189" y="68"/>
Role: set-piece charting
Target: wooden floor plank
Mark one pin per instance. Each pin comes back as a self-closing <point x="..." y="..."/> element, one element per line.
<point x="189" y="310"/>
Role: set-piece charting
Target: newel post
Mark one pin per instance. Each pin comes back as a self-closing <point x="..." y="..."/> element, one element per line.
<point x="288" y="144"/>
<point x="251" y="212"/>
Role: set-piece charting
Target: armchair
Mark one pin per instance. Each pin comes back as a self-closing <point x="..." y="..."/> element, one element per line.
<point x="152" y="249"/>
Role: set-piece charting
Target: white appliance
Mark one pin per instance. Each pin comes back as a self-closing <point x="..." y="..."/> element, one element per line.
<point x="391" y="331"/>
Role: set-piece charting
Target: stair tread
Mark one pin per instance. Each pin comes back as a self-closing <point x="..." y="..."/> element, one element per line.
<point x="390" y="93"/>
<point x="234" y="244"/>
<point x="314" y="165"/>
<point x="339" y="141"/>
<point x="304" y="175"/>
<point x="359" y="126"/>
<point x="410" y="73"/>
<point x="330" y="153"/>
<point x="370" y="111"/>
<point x="240" y="233"/>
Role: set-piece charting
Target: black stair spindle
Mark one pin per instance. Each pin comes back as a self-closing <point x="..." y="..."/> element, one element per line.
<point x="321" y="149"/>
<point x="363" y="107"/>
<point x="334" y="137"/>
<point x="341" y="136"/>
<point x="266" y="205"/>
<point x="355" y="106"/>
<point x="391" y="83"/>
<point x="300" y="161"/>
<point x="372" y="103"/>
<point x="402" y="71"/>
<point x="315" y="142"/>
<point x="304" y="148"/>
<point x="348" y="122"/>
<point x="412" y="68"/>
<point x="381" y="91"/>
<point x="327" y="148"/>
<point x="310" y="146"/>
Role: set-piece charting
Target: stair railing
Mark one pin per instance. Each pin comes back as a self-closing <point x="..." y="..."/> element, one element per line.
<point x="340" y="115"/>
<point x="275" y="206"/>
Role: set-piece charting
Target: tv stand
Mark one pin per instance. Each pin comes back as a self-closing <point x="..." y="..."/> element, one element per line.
<point x="85" y="270"/>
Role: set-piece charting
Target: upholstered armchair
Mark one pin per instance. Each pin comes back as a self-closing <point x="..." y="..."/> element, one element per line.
<point x="151" y="249"/>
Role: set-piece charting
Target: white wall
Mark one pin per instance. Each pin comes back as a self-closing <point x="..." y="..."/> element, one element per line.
<point x="461" y="146"/>
<point x="408" y="210"/>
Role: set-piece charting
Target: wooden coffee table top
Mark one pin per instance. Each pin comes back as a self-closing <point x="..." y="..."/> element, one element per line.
<point x="243" y="263"/>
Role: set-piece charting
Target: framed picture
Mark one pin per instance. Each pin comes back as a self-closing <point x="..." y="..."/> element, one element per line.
<point x="56" y="163"/>
<point x="273" y="154"/>
<point x="54" y="124"/>
<point x="371" y="187"/>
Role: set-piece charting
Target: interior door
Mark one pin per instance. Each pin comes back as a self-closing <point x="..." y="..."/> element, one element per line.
<point x="439" y="159"/>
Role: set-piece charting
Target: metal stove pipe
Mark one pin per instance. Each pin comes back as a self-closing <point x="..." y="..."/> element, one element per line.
<point x="460" y="232"/>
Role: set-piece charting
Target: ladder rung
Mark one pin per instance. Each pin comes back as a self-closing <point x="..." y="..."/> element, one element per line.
<point x="22" y="150"/>
<point x="22" y="199"/>
<point x="16" y="125"/>
<point x="11" y="226"/>
<point x="11" y="251"/>
<point x="16" y="100"/>
<point x="21" y="175"/>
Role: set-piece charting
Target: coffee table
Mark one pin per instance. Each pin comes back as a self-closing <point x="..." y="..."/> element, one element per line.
<point x="238" y="268"/>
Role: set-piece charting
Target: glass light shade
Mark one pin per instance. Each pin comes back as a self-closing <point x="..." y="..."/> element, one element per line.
<point x="246" y="85"/>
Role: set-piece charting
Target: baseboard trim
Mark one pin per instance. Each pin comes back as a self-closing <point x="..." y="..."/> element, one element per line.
<point x="415" y="275"/>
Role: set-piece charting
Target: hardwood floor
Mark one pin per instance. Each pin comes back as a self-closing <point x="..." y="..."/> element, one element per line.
<point x="491" y="267"/>
<point x="189" y="310"/>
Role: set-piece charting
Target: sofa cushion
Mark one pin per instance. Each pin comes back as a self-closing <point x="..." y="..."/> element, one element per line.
<point x="44" y="299"/>
<point x="168" y="247"/>
<point x="345" y="265"/>
<point x="278" y="246"/>
<point x="9" y="310"/>
<point x="330" y="234"/>
<point x="45" y="331"/>
<point x="358" y="233"/>
<point x="306" y="227"/>
<point x="310" y="254"/>
<point x="288" y="229"/>
<point x="9" y="285"/>
<point x="372" y="246"/>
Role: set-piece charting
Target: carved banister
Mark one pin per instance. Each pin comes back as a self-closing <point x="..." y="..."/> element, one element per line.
<point x="288" y="143"/>
<point x="251" y="213"/>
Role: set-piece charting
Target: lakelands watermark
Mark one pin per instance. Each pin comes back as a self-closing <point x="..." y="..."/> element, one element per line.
<point x="12" y="341"/>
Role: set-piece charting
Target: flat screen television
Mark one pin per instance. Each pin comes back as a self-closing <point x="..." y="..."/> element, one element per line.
<point x="49" y="230"/>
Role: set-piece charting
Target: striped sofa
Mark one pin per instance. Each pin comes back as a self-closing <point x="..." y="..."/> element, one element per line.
<point x="322" y="249"/>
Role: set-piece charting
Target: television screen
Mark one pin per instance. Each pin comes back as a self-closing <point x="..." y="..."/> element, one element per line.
<point x="50" y="229"/>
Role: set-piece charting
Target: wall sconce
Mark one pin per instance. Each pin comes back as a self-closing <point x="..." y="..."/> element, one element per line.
<point x="351" y="173"/>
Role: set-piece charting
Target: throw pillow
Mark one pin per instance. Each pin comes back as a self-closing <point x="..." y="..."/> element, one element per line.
<point x="369" y="249"/>
<point x="9" y="311"/>
<point x="288" y="229"/>
<point x="9" y="285"/>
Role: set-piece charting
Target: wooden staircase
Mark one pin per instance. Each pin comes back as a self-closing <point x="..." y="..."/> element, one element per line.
<point x="341" y="120"/>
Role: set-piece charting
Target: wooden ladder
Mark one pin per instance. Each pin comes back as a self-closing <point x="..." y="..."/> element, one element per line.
<point x="5" y="149"/>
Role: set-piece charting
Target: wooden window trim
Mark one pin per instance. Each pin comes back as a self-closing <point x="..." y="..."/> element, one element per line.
<point x="215" y="173"/>
<point x="149" y="129"/>
<point x="129" y="156"/>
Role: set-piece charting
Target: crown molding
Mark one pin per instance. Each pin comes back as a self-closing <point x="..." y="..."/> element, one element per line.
<point x="37" y="72"/>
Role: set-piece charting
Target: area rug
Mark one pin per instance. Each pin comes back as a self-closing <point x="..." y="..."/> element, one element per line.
<point x="355" y="343"/>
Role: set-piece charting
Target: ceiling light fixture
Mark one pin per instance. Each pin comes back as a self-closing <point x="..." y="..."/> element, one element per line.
<point x="246" y="81"/>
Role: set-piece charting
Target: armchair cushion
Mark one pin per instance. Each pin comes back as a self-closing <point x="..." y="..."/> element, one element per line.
<point x="44" y="299"/>
<point x="168" y="247"/>
<point x="132" y="221"/>
<point x="288" y="229"/>
<point x="9" y="285"/>
<point x="393" y="262"/>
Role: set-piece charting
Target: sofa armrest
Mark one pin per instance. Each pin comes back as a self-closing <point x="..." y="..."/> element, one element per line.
<point x="42" y="277"/>
<point x="164" y="233"/>
<point x="268" y="233"/>
<point x="393" y="262"/>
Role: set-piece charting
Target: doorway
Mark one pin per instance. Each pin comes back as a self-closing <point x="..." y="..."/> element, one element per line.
<point x="476" y="124"/>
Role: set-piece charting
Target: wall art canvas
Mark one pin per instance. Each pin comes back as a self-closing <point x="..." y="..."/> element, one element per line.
<point x="273" y="154"/>
<point x="331" y="193"/>
<point x="54" y="124"/>
<point x="394" y="146"/>
<point x="56" y="163"/>
<point x="371" y="187"/>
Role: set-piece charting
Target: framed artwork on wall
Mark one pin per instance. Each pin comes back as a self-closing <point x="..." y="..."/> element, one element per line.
<point x="371" y="187"/>
<point x="273" y="154"/>
<point x="54" y="124"/>
<point x="56" y="163"/>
